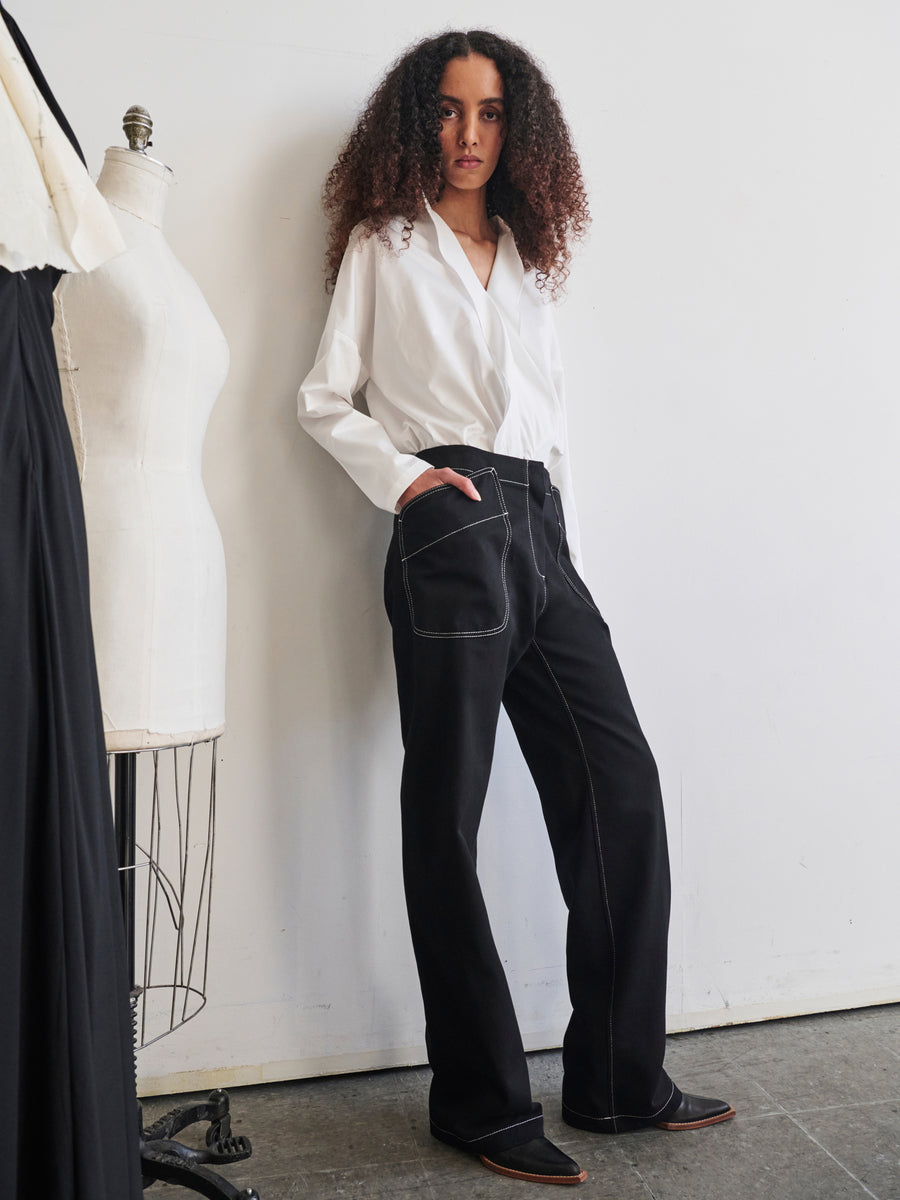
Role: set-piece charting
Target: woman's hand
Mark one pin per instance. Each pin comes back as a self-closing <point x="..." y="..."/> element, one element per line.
<point x="434" y="477"/>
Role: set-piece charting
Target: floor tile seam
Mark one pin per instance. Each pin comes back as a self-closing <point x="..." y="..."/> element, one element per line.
<point x="626" y="1158"/>
<point x="777" y="1106"/>
<point x="704" y="1068"/>
<point x="744" y="1119"/>
<point x="759" y="1080"/>
<point x="428" y="1175"/>
<point x="365" y="1166"/>
<point x="833" y="1158"/>
<point x="736" y="1060"/>
<point x="837" y="1107"/>
<point x="643" y="1182"/>
<point x="317" y="1177"/>
<point x="695" y="1081"/>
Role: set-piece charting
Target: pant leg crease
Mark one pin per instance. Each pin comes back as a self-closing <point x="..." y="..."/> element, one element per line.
<point x="599" y="849"/>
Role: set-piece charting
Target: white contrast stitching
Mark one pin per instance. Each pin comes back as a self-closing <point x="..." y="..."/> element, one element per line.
<point x="565" y="573"/>
<point x="471" y="525"/>
<point x="577" y="592"/>
<point x="482" y="1136"/>
<point x="530" y="538"/>
<point x="623" y="1116"/>
<point x="528" y="518"/>
<point x="464" y="633"/>
<point x="590" y="782"/>
<point x="442" y="487"/>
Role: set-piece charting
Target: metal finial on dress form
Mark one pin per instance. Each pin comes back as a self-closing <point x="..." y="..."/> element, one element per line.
<point x="138" y="127"/>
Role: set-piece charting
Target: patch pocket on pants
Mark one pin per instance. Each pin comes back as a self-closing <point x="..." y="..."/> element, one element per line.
<point x="453" y="554"/>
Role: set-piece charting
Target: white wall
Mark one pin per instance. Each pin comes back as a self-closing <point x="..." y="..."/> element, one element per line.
<point x="730" y="335"/>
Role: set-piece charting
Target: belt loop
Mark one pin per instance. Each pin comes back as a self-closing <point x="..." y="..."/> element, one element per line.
<point x="536" y="478"/>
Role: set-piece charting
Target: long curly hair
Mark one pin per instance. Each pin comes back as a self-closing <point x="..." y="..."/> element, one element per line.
<point x="391" y="161"/>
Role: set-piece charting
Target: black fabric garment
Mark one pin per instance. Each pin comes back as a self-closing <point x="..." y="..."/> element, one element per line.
<point x="487" y="609"/>
<point x="67" y="1098"/>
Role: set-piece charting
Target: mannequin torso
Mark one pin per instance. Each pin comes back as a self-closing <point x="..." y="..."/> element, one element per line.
<point x="143" y="360"/>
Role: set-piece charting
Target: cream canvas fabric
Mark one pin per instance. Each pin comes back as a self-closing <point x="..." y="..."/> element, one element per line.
<point x="51" y="214"/>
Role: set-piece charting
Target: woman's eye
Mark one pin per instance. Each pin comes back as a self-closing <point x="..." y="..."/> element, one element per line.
<point x="490" y="115"/>
<point x="446" y="113"/>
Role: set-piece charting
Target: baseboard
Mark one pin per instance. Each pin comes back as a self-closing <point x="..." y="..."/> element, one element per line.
<point x="410" y="1056"/>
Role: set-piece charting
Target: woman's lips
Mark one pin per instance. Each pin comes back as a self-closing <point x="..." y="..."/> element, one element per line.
<point x="467" y="162"/>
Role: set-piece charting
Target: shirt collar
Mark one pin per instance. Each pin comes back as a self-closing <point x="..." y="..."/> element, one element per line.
<point x="507" y="275"/>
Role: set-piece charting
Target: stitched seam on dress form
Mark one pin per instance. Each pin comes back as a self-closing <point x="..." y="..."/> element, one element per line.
<point x="409" y="599"/>
<point x="623" y="1116"/>
<point x="132" y="213"/>
<point x="482" y="1136"/>
<point x="599" y="848"/>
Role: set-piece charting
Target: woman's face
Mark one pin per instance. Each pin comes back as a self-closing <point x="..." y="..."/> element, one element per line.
<point x="473" y="124"/>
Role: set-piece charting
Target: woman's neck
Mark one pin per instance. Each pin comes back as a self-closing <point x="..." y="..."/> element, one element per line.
<point x="136" y="184"/>
<point x="466" y="213"/>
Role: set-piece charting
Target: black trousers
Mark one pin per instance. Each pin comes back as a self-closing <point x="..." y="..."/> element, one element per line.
<point x="487" y="609"/>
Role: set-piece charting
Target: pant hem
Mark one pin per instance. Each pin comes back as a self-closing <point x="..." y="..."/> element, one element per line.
<point x="624" y="1123"/>
<point x="501" y="1139"/>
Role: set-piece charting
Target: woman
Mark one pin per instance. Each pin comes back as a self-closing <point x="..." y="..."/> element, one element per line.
<point x="453" y="205"/>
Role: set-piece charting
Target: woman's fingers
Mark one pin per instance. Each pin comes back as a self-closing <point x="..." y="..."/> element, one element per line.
<point x="434" y="477"/>
<point x="463" y="482"/>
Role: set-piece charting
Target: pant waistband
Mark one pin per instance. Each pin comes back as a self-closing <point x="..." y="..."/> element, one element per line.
<point x="472" y="458"/>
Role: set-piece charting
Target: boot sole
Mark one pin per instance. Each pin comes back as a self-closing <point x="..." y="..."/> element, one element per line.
<point x="677" y="1125"/>
<point x="512" y="1174"/>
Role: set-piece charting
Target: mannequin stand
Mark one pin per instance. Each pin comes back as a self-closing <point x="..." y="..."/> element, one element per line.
<point x="161" y="1156"/>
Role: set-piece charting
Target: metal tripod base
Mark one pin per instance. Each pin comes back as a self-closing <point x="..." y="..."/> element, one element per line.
<point x="163" y="1158"/>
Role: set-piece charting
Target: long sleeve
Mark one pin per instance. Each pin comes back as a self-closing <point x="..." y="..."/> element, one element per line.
<point x="442" y="361"/>
<point x="561" y="472"/>
<point x="325" y="401"/>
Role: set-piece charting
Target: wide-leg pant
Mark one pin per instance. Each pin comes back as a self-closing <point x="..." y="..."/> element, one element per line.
<point x="487" y="609"/>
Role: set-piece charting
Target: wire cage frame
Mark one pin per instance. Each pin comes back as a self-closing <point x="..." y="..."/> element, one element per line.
<point x="171" y="865"/>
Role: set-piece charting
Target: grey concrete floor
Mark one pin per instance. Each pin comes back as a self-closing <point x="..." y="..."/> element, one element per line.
<point x="818" y="1118"/>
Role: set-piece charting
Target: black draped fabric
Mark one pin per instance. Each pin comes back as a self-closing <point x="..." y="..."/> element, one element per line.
<point x="67" y="1100"/>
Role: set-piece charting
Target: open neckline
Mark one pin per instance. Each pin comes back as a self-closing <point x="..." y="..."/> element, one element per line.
<point x="498" y="228"/>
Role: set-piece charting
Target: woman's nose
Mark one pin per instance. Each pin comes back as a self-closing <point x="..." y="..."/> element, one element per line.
<point x="468" y="133"/>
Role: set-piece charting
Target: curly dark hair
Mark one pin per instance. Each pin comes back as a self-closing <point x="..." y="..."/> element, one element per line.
<point x="391" y="162"/>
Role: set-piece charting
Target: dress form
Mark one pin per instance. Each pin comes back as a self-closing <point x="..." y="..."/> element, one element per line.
<point x="142" y="360"/>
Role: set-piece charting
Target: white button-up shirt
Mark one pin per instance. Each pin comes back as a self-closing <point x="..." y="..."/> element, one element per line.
<point x="440" y="359"/>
